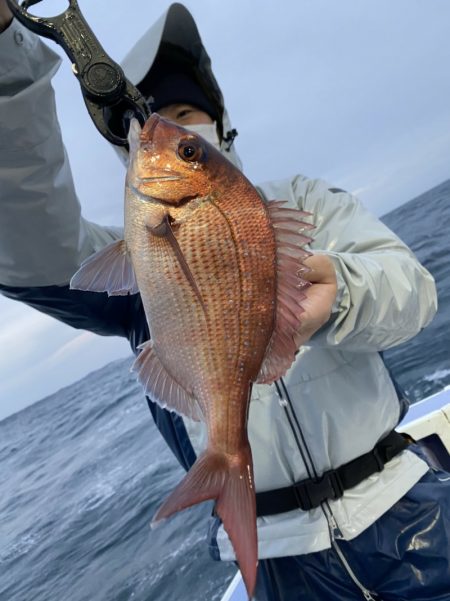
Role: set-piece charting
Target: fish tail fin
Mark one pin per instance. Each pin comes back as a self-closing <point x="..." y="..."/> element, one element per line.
<point x="229" y="480"/>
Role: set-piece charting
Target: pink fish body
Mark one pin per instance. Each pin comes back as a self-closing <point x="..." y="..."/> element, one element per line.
<point x="218" y="272"/>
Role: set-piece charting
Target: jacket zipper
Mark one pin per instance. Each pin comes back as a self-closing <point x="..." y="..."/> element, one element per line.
<point x="335" y="533"/>
<point x="286" y="403"/>
<point x="368" y="595"/>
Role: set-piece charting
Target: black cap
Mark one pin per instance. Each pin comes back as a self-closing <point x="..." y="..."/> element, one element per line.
<point x="175" y="77"/>
<point x="177" y="88"/>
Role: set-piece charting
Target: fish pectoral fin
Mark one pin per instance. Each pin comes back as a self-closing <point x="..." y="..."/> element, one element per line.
<point x="161" y="387"/>
<point x="290" y="237"/>
<point x="108" y="270"/>
<point x="164" y="230"/>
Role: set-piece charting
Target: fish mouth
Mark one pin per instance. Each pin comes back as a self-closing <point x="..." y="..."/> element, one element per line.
<point x="157" y="178"/>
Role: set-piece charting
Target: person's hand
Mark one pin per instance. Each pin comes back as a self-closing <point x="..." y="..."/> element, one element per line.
<point x="6" y="15"/>
<point x="320" y="296"/>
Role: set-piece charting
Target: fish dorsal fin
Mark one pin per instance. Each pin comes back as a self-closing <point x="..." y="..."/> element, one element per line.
<point x="108" y="270"/>
<point x="161" y="387"/>
<point x="290" y="238"/>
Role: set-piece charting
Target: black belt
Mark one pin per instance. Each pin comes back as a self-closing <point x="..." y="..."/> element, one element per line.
<point x="310" y="493"/>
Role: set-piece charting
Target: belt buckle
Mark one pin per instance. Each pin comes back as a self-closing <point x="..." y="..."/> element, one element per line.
<point x="336" y="484"/>
<point x="314" y="492"/>
<point x="376" y="454"/>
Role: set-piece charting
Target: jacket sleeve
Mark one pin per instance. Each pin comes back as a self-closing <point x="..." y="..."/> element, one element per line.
<point x="43" y="237"/>
<point x="385" y="296"/>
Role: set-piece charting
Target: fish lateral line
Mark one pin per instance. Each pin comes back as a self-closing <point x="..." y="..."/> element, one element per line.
<point x="164" y="230"/>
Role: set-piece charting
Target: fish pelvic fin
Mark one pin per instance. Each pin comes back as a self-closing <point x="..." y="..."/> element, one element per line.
<point x="164" y="230"/>
<point x="291" y="237"/>
<point x="161" y="386"/>
<point x="108" y="270"/>
<point x="229" y="480"/>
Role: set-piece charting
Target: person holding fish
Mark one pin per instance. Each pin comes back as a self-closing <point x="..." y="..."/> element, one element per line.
<point x="258" y="315"/>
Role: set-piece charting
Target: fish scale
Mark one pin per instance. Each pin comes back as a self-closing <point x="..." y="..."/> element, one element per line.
<point x="210" y="324"/>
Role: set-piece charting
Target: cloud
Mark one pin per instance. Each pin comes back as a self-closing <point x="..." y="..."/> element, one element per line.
<point x="40" y="355"/>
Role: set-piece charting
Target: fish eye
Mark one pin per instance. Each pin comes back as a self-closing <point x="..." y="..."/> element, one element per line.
<point x="190" y="151"/>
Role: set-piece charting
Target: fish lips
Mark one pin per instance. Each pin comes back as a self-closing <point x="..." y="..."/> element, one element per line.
<point x="152" y="195"/>
<point x="144" y="187"/>
<point x="160" y="177"/>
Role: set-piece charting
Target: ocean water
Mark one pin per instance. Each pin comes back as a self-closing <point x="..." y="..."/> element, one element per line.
<point x="422" y="365"/>
<point x="83" y="471"/>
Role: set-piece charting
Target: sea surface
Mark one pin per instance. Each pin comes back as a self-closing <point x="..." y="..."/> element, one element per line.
<point x="422" y="365"/>
<point x="83" y="471"/>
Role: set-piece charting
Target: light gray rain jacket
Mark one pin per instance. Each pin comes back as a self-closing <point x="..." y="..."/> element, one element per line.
<point x="341" y="398"/>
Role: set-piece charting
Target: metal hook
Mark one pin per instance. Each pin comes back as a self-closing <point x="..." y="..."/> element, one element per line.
<point x="103" y="82"/>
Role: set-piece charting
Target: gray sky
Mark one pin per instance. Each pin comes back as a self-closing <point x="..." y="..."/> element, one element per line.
<point x="352" y="91"/>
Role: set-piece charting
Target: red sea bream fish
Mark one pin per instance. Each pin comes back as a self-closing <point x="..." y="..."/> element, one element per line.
<point x="218" y="270"/>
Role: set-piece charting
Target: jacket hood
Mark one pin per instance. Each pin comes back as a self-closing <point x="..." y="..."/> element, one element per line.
<point x="176" y="32"/>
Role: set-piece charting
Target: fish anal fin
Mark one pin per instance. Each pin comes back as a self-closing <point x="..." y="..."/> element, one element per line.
<point x="229" y="480"/>
<point x="108" y="270"/>
<point x="289" y="228"/>
<point x="161" y="387"/>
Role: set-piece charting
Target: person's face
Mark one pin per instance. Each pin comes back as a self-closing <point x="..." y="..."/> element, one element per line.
<point x="184" y="114"/>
